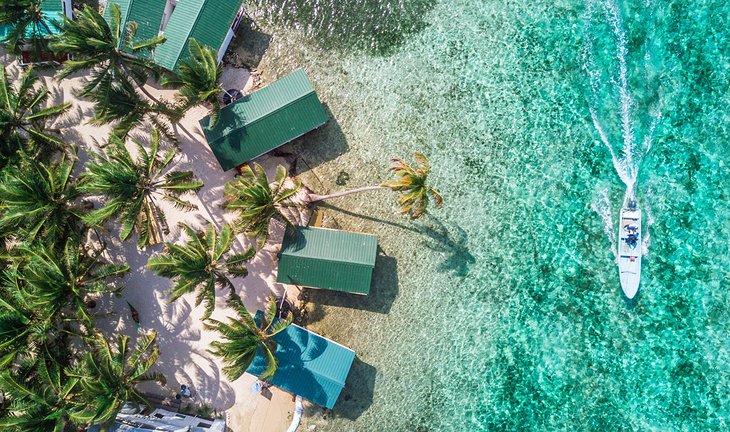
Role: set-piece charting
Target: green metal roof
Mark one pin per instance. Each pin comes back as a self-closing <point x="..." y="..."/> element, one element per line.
<point x="53" y="12"/>
<point x="146" y="13"/>
<point x="325" y="258"/>
<point x="310" y="365"/>
<point x="265" y="120"/>
<point x="207" y="21"/>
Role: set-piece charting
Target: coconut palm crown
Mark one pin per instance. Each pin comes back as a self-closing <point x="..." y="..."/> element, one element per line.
<point x="29" y="25"/>
<point x="257" y="201"/>
<point x="37" y="200"/>
<point x="412" y="182"/>
<point x="200" y="264"/>
<point x="199" y="78"/>
<point x="132" y="188"/>
<point x="24" y="117"/>
<point x="243" y="336"/>
<point x="108" y="375"/>
<point x="59" y="281"/>
<point x="41" y="399"/>
<point x="107" y="49"/>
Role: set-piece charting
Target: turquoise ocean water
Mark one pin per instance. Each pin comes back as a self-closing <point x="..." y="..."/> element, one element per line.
<point x="503" y="310"/>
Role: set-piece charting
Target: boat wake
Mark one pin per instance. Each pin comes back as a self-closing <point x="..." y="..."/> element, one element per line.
<point x="613" y="106"/>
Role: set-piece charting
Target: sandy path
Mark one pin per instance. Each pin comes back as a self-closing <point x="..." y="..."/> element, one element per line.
<point x="181" y="336"/>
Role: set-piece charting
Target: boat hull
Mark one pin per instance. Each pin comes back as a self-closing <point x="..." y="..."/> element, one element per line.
<point x="629" y="251"/>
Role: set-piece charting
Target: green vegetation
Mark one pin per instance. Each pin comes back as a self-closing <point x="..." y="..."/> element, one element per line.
<point x="256" y="201"/>
<point x="132" y="186"/>
<point x="199" y="79"/>
<point x="59" y="371"/>
<point x="24" y="118"/>
<point x="200" y="265"/>
<point x="412" y="182"/>
<point x="29" y="26"/>
<point x="242" y="337"/>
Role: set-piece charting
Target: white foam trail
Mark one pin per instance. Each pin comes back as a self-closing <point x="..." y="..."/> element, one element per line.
<point x="627" y="159"/>
<point x="602" y="206"/>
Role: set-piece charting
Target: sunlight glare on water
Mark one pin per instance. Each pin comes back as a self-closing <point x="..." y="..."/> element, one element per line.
<point x="503" y="311"/>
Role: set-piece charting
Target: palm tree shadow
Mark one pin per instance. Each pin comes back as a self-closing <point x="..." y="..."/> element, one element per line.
<point x="452" y="241"/>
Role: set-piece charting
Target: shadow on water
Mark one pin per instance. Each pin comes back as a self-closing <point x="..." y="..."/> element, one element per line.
<point x="383" y="291"/>
<point x="451" y="241"/>
<point x="316" y="147"/>
<point x="357" y="395"/>
<point x="374" y="26"/>
<point x="249" y="45"/>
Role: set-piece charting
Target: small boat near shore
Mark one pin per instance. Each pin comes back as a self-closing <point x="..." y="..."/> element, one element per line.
<point x="629" y="248"/>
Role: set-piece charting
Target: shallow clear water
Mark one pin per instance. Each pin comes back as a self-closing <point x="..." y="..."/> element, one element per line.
<point x="503" y="311"/>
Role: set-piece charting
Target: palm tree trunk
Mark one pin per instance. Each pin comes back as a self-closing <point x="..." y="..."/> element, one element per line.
<point x="139" y="86"/>
<point x="314" y="197"/>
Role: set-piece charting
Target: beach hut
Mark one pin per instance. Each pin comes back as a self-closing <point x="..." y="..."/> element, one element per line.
<point x="310" y="365"/>
<point x="264" y="120"/>
<point x="210" y="22"/>
<point x="326" y="258"/>
<point x="53" y="13"/>
<point x="147" y="14"/>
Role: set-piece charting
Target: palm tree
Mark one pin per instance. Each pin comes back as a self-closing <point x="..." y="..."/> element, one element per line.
<point x="106" y="49"/>
<point x="412" y="182"/>
<point x="122" y="105"/>
<point x="199" y="79"/>
<point x="29" y="24"/>
<point x="25" y="328"/>
<point x="200" y="265"/>
<point x="257" y="201"/>
<point x="42" y="399"/>
<point x="244" y="336"/>
<point x="60" y="281"/>
<point x="133" y="186"/>
<point x="37" y="200"/>
<point x="108" y="376"/>
<point x="24" y="118"/>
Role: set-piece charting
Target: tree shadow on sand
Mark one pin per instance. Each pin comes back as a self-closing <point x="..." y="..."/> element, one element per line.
<point x="374" y="26"/>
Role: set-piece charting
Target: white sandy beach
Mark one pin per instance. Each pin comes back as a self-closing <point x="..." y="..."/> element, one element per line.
<point x="182" y="338"/>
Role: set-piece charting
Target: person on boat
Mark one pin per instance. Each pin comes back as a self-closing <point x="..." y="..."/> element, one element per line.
<point x="631" y="240"/>
<point x="631" y="229"/>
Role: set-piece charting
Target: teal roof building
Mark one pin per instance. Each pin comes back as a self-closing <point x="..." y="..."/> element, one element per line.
<point x="310" y="365"/>
<point x="264" y="120"/>
<point x="329" y="259"/>
<point x="53" y="13"/>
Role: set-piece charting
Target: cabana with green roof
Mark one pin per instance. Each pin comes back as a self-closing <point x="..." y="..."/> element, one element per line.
<point x="264" y="120"/>
<point x="210" y="22"/>
<point x="330" y="259"/>
<point x="146" y="13"/>
<point x="310" y="365"/>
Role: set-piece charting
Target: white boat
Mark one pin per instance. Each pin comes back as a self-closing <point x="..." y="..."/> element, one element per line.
<point x="629" y="248"/>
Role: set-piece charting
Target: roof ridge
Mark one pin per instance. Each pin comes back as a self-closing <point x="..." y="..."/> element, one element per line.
<point x="332" y="260"/>
<point x="279" y="107"/>
<point x="203" y="3"/>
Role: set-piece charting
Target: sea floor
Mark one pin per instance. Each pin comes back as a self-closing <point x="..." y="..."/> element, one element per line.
<point x="503" y="311"/>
